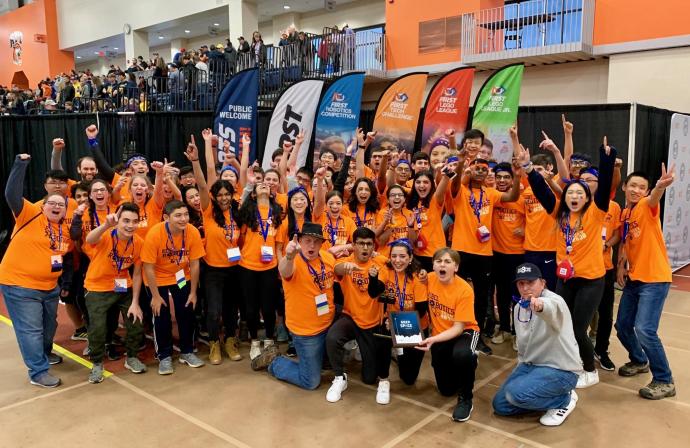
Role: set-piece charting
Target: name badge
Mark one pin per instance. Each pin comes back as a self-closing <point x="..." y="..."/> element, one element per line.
<point x="56" y="263"/>
<point x="565" y="270"/>
<point x="120" y="285"/>
<point x="483" y="234"/>
<point x="603" y="237"/>
<point x="421" y="242"/>
<point x="266" y="254"/>
<point x="399" y="351"/>
<point x="321" y="304"/>
<point x="180" y="279"/>
<point x="234" y="254"/>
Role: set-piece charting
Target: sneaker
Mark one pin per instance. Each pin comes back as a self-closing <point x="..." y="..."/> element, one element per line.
<point x="244" y="331"/>
<point x="337" y="388"/>
<point x="282" y="334"/>
<point x="383" y="394"/>
<point x="657" y="391"/>
<point x="291" y="351"/>
<point x="132" y="363"/>
<point x="200" y="338"/>
<point x="587" y="379"/>
<point x="555" y="417"/>
<point x="483" y="348"/>
<point x="165" y="366"/>
<point x="500" y="337"/>
<point x="632" y="369"/>
<point x="265" y="358"/>
<point x="54" y="358"/>
<point x="605" y="362"/>
<point x="87" y="351"/>
<point x="112" y="352"/>
<point x="191" y="360"/>
<point x="463" y="410"/>
<point x="80" y="334"/>
<point x="214" y="355"/>
<point x="232" y="350"/>
<point x="255" y="349"/>
<point x="96" y="375"/>
<point x="356" y="353"/>
<point x="46" y="380"/>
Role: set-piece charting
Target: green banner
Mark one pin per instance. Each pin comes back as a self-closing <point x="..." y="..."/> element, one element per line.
<point x="496" y="109"/>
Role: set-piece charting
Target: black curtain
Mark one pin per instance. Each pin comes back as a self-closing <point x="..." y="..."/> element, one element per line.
<point x="652" y="138"/>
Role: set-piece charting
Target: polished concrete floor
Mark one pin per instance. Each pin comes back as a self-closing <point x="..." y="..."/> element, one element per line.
<point x="230" y="405"/>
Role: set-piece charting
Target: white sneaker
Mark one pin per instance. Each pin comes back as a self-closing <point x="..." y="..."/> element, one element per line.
<point x="383" y="394"/>
<point x="555" y="417"/>
<point x="255" y="349"/>
<point x="587" y="379"/>
<point x="337" y="388"/>
<point x="268" y="343"/>
<point x="500" y="337"/>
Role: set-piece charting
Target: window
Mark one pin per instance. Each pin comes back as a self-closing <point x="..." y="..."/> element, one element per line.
<point x="439" y="35"/>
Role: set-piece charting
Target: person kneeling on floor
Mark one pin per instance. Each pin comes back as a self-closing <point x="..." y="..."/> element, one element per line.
<point x="548" y="355"/>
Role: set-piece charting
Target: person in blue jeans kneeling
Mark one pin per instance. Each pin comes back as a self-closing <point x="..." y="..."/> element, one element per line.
<point x="548" y="355"/>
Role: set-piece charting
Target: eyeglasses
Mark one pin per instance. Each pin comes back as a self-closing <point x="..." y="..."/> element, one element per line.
<point x="56" y="204"/>
<point x="577" y="162"/>
<point x="99" y="190"/>
<point x="396" y="195"/>
<point x="364" y="243"/>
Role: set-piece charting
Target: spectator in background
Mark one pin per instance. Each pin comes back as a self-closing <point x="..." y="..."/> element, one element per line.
<point x="68" y="92"/>
<point x="283" y="40"/>
<point x="230" y="57"/>
<point x="243" y="46"/>
<point x="142" y="63"/>
<point x="258" y="49"/>
<point x="178" y="56"/>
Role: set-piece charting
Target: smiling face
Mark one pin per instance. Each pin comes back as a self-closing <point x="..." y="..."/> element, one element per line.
<point x="310" y="246"/>
<point x="299" y="203"/>
<point x="503" y="181"/>
<point x="81" y="196"/>
<point x="87" y="170"/>
<point x="139" y="189"/>
<point x="635" y="189"/>
<point x="445" y="267"/>
<point x="575" y="197"/>
<point x="396" y="198"/>
<point x="178" y="219"/>
<point x="363" y="192"/>
<point x="188" y="180"/>
<point x="139" y="166"/>
<point x="327" y="159"/>
<point x="335" y="205"/>
<point x="262" y="190"/>
<point x="230" y="176"/>
<point x="127" y="224"/>
<point x="400" y="258"/>
<point x="421" y="165"/>
<point x="56" y="186"/>
<point x="478" y="172"/>
<point x="272" y="180"/>
<point x="194" y="200"/>
<point x="99" y="194"/>
<point x="423" y="186"/>
<point x="403" y="172"/>
<point x="472" y="146"/>
<point x="55" y="207"/>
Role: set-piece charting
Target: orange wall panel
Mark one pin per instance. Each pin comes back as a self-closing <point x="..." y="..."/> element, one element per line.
<point x="59" y="61"/>
<point x="618" y="21"/>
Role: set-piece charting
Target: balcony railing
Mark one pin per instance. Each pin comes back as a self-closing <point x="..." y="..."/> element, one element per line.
<point x="538" y="31"/>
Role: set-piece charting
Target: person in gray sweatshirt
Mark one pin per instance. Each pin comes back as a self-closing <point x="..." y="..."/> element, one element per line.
<point x="548" y="355"/>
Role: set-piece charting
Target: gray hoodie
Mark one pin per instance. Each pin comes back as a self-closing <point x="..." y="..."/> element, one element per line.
<point x="548" y="338"/>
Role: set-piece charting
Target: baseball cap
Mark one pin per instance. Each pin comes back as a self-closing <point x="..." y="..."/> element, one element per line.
<point x="527" y="271"/>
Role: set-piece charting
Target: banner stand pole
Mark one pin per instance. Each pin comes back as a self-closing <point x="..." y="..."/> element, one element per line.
<point x="632" y="128"/>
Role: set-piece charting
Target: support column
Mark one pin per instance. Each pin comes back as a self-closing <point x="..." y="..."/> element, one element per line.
<point x="243" y="19"/>
<point x="175" y="46"/>
<point x="136" y="44"/>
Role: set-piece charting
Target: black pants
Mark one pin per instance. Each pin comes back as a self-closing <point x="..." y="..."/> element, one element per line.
<point x="222" y="289"/>
<point x="546" y="262"/>
<point x="200" y="312"/>
<point x="503" y="274"/>
<point x="376" y="351"/>
<point x="184" y="315"/>
<point x="582" y="296"/>
<point x="409" y="364"/>
<point x="477" y="268"/>
<point x="261" y="293"/>
<point x="454" y="364"/>
<point x="605" y="313"/>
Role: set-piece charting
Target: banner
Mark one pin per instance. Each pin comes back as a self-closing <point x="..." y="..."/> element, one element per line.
<point x="338" y="115"/>
<point x="397" y="111"/>
<point x="237" y="113"/>
<point x="448" y="104"/>
<point x="295" y="111"/>
<point x="496" y="109"/>
<point x="677" y="198"/>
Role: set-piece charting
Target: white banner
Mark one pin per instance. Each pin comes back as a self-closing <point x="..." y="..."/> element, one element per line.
<point x="295" y="111"/>
<point x="677" y="205"/>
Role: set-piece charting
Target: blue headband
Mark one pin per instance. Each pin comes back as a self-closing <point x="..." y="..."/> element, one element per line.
<point x="230" y="168"/>
<point x="441" y="142"/>
<point x="452" y="159"/>
<point x="403" y="161"/>
<point x="590" y="170"/>
<point x="402" y="242"/>
<point x="133" y="158"/>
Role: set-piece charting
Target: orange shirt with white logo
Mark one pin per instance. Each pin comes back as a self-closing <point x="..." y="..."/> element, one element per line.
<point x="508" y="218"/>
<point x="587" y="255"/>
<point x="611" y="224"/>
<point x="301" y="290"/>
<point x="540" y="227"/>
<point x="431" y="236"/>
<point x="365" y="311"/>
<point x="336" y="231"/>
<point x="449" y="304"/>
<point x="361" y="217"/>
<point x="219" y="239"/>
<point x="253" y="240"/>
<point x="644" y="244"/>
<point x="398" y="227"/>
<point x="466" y="224"/>
<point x="103" y="268"/>
<point x="167" y="256"/>
<point x="412" y="291"/>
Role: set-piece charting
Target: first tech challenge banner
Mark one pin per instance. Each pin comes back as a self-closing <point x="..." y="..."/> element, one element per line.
<point x="677" y="197"/>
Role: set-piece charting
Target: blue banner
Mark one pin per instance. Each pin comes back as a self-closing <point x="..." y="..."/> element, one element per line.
<point x="237" y="112"/>
<point x="338" y="114"/>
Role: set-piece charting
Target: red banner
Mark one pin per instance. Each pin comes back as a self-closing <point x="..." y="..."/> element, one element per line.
<point x="447" y="105"/>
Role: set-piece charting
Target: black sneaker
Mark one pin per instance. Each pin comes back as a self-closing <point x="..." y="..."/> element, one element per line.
<point x="112" y="352"/>
<point x="604" y="361"/>
<point x="54" y="358"/>
<point x="463" y="410"/>
<point x="483" y="348"/>
<point x="80" y="334"/>
<point x="291" y="351"/>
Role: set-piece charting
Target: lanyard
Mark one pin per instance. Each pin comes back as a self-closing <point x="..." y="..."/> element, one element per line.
<point x="172" y="242"/>
<point x="264" y="228"/>
<point x="332" y="231"/>
<point x="523" y="305"/>
<point x="120" y="260"/>
<point x="320" y="281"/>
<point x="230" y="227"/>
<point x="626" y="223"/>
<point x="361" y="222"/>
<point x="418" y="216"/>
<point x="398" y="293"/>
<point x="55" y="245"/>
<point x="477" y="206"/>
<point x="568" y="233"/>
<point x="95" y="216"/>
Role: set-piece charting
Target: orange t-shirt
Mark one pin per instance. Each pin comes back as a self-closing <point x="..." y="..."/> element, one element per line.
<point x="89" y="223"/>
<point x="336" y="231"/>
<point x="449" y="304"/>
<point x="397" y="226"/>
<point x="370" y="174"/>
<point x="103" y="268"/>
<point x="125" y="192"/>
<point x="154" y="213"/>
<point x="365" y="311"/>
<point x="587" y="255"/>
<point x="218" y="239"/>
<point x="165" y="255"/>
<point x="540" y="227"/>
<point x="611" y="224"/>
<point x="508" y="217"/>
<point x="301" y="290"/>
<point x="431" y="237"/>
<point x="70" y="184"/>
<point x="282" y="200"/>
<point x="253" y="240"/>
<point x="27" y="262"/>
<point x="284" y="234"/>
<point x="69" y="215"/>
<point x="466" y="223"/>
<point x="361" y="217"/>
<point x="644" y="244"/>
<point x="411" y="290"/>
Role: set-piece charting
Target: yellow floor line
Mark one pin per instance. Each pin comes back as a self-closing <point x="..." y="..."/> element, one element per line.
<point x="64" y="352"/>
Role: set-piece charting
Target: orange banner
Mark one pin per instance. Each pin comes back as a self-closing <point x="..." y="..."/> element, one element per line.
<point x="397" y="112"/>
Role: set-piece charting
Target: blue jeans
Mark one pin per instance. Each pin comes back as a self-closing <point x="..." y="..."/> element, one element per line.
<point x="637" y="324"/>
<point x="305" y="373"/>
<point x="34" y="317"/>
<point x="534" y="388"/>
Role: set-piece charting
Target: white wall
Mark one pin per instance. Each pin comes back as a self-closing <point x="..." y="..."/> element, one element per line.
<point x="356" y="14"/>
<point x="101" y="66"/>
<point x="655" y="78"/>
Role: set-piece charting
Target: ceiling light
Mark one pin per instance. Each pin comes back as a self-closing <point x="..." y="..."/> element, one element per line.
<point x="216" y="24"/>
<point x="115" y="48"/>
<point x="95" y="52"/>
<point x="187" y="31"/>
<point x="161" y="37"/>
<point x="286" y="6"/>
<point x="78" y="57"/>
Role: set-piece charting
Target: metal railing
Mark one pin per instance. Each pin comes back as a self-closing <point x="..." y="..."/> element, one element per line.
<point x="532" y="28"/>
